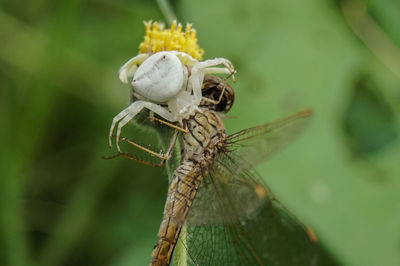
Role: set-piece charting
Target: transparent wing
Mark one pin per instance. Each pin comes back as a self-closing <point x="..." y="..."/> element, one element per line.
<point x="235" y="220"/>
<point x="257" y="143"/>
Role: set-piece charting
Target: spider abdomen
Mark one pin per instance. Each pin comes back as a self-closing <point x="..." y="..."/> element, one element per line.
<point x="159" y="78"/>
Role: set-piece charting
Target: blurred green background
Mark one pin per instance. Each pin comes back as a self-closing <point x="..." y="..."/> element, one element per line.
<point x="61" y="204"/>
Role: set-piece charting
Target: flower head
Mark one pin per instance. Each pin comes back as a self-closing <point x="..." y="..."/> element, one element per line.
<point x="159" y="39"/>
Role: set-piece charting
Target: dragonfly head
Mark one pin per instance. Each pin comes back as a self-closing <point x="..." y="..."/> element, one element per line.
<point x="212" y="89"/>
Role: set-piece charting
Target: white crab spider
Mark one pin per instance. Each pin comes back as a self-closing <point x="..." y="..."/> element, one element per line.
<point x="168" y="78"/>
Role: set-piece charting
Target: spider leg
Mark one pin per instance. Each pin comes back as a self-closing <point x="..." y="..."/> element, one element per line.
<point x="118" y="117"/>
<point x="186" y="59"/>
<point x="198" y="71"/>
<point x="214" y="62"/>
<point x="217" y="70"/>
<point x="135" y="108"/>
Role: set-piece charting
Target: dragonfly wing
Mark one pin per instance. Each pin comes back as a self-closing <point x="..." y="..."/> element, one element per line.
<point x="235" y="220"/>
<point x="257" y="143"/>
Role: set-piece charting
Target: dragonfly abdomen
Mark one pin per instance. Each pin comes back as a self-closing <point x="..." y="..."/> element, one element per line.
<point x="181" y="193"/>
<point x="200" y="144"/>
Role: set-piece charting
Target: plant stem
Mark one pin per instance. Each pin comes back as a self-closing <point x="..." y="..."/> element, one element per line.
<point x="167" y="11"/>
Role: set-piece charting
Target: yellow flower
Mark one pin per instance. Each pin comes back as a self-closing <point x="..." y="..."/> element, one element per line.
<point x="159" y="39"/>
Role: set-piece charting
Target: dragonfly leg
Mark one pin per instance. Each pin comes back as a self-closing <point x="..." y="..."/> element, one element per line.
<point x="181" y="129"/>
<point x="163" y="157"/>
<point x="218" y="84"/>
<point x="219" y="98"/>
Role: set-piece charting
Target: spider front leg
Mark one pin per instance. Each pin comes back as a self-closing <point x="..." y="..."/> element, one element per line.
<point x="200" y="69"/>
<point x="129" y="68"/>
<point x="131" y="111"/>
<point x="209" y="66"/>
<point x="186" y="59"/>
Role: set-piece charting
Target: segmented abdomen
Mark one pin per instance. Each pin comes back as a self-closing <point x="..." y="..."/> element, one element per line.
<point x="181" y="193"/>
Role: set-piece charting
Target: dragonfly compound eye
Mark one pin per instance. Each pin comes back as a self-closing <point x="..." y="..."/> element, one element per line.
<point x="212" y="89"/>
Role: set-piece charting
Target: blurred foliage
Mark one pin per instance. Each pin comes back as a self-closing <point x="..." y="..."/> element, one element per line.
<point x="61" y="204"/>
<point x="369" y="122"/>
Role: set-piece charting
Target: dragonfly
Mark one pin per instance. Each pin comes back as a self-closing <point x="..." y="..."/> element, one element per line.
<point x="218" y="208"/>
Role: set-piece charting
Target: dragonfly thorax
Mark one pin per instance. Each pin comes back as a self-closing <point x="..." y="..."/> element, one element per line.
<point x="206" y="132"/>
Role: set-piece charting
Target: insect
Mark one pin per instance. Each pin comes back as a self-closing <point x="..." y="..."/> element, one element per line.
<point x="217" y="207"/>
<point x="167" y="83"/>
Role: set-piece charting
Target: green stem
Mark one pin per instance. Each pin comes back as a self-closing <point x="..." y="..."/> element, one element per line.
<point x="167" y="11"/>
